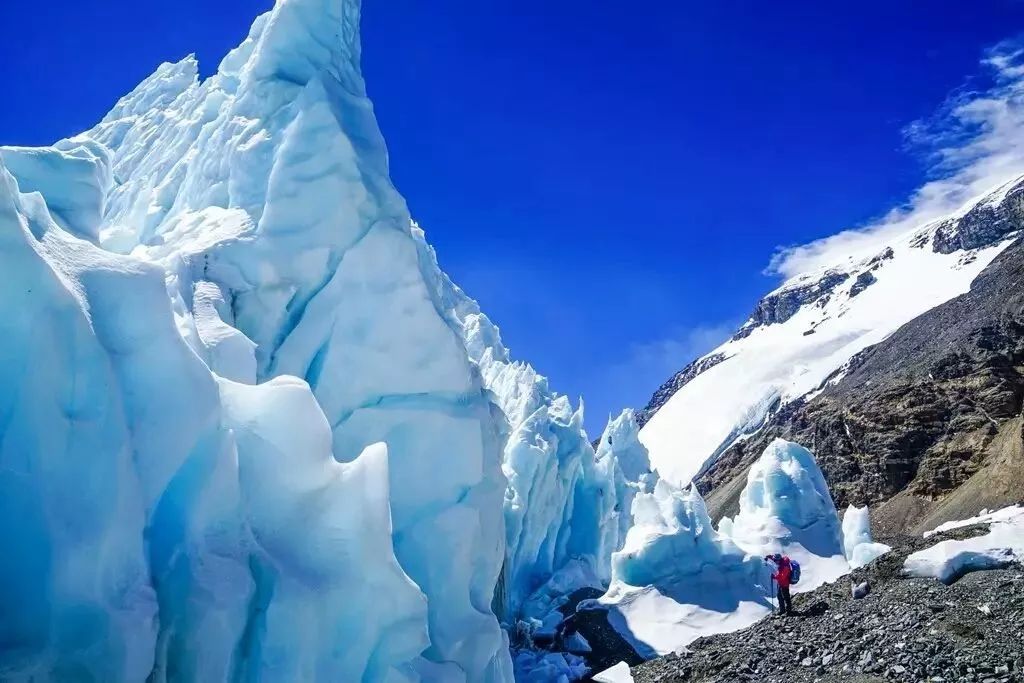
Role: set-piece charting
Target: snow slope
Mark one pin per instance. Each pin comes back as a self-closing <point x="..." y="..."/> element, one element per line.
<point x="805" y="331"/>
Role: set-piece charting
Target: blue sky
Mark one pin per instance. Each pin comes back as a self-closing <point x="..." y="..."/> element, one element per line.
<point x="610" y="184"/>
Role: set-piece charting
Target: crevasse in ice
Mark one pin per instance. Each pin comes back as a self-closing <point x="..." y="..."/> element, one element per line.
<point x="249" y="430"/>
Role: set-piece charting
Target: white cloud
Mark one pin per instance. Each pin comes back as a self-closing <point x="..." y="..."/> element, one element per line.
<point x="974" y="144"/>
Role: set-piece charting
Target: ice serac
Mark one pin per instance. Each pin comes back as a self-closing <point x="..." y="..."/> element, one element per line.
<point x="246" y="225"/>
<point x="566" y="507"/>
<point x="786" y="507"/>
<point x="228" y="303"/>
<point x="71" y="503"/>
<point x="857" y="544"/>
<point x="170" y="525"/>
<point x="678" y="578"/>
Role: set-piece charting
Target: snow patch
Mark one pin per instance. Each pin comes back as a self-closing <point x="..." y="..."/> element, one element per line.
<point x="616" y="674"/>
<point x="948" y="560"/>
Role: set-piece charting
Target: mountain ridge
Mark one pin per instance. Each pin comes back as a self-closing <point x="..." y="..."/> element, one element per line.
<point x="801" y="335"/>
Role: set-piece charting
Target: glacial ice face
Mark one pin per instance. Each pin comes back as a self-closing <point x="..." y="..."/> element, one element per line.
<point x="786" y="507"/>
<point x="71" y="503"/>
<point x="677" y="578"/>
<point x="228" y="302"/>
<point x="170" y="524"/>
<point x="243" y="225"/>
<point x="673" y="541"/>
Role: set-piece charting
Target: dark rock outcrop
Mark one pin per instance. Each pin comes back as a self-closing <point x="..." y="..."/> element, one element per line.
<point x="863" y="281"/>
<point x="985" y="224"/>
<point x="782" y="305"/>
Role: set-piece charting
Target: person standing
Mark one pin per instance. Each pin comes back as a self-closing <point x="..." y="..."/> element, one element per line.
<point x="782" y="575"/>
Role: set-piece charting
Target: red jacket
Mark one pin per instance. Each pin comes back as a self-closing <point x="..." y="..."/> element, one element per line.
<point x="783" y="573"/>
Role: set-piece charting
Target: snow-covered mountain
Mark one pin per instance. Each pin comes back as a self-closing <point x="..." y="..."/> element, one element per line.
<point x="249" y="429"/>
<point x="801" y="335"/>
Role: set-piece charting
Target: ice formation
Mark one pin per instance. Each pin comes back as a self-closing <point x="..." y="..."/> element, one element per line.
<point x="857" y="543"/>
<point x="250" y="430"/>
<point x="947" y="561"/>
<point x="567" y="508"/>
<point x="678" y="578"/>
<point x="786" y="507"/>
<point x="168" y="521"/>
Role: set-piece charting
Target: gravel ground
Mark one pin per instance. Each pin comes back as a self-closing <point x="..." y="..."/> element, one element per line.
<point x="904" y="630"/>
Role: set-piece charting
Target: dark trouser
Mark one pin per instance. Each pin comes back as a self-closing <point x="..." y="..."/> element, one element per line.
<point x="785" y="601"/>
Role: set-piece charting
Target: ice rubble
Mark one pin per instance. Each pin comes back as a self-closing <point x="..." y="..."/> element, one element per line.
<point x="678" y="578"/>
<point x="214" y="302"/>
<point x="857" y="543"/>
<point x="947" y="561"/>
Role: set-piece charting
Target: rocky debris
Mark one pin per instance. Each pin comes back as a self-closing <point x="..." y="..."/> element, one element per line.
<point x="666" y="390"/>
<point x="863" y="281"/>
<point x="983" y="225"/>
<point x="606" y="646"/>
<point x="903" y="630"/>
<point x="932" y="411"/>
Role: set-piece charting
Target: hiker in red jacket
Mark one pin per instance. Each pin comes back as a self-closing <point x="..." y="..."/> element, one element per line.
<point x="781" y="575"/>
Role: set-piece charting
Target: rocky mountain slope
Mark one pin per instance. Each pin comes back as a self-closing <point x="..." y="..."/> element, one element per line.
<point x="926" y="423"/>
<point x="908" y="392"/>
<point x="905" y="629"/>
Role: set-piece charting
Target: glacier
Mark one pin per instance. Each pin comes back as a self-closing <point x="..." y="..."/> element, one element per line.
<point x="251" y="430"/>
